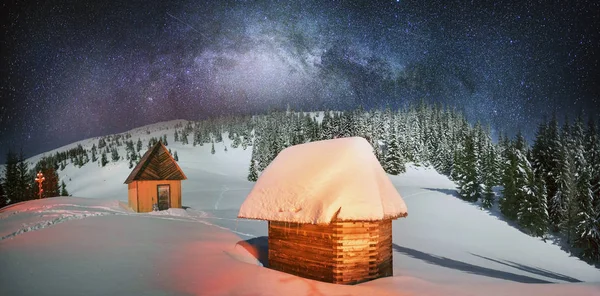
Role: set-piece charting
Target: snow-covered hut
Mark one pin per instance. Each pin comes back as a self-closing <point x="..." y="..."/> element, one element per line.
<point x="155" y="180"/>
<point x="330" y="207"/>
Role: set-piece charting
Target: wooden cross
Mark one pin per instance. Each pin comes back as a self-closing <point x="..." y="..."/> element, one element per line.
<point x="40" y="178"/>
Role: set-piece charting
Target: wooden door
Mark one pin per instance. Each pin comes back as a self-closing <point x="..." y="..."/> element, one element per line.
<point x="164" y="197"/>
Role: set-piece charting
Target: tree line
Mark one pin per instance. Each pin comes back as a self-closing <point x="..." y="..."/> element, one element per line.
<point x="550" y="188"/>
<point x="18" y="182"/>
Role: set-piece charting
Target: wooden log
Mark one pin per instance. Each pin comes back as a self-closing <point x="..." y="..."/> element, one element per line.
<point x="301" y="267"/>
<point x="299" y="243"/>
<point x="353" y="236"/>
<point x="303" y="233"/>
<point x="321" y="254"/>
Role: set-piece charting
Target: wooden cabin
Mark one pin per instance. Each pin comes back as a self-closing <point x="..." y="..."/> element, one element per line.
<point x="330" y="207"/>
<point x="155" y="180"/>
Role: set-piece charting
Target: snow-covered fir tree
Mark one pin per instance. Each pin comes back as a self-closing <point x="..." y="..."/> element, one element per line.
<point x="561" y="215"/>
<point x="103" y="159"/>
<point x="489" y="178"/>
<point x="532" y="211"/>
<point x="252" y="170"/>
<point x="237" y="141"/>
<point x="509" y="202"/>
<point x="115" y="155"/>
<point x="394" y="163"/>
<point x="592" y="155"/>
<point x="555" y="155"/>
<point x="94" y="153"/>
<point x="327" y="126"/>
<point x="184" y="138"/>
<point x="467" y="178"/>
<point x="63" y="189"/>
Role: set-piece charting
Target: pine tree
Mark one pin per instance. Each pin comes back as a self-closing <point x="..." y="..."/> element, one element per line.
<point x="539" y="151"/>
<point x="532" y="214"/>
<point x="469" y="187"/>
<point x="327" y="129"/>
<point x="560" y="215"/>
<point x="115" y="155"/>
<point x="103" y="159"/>
<point x="237" y="141"/>
<point x="184" y="137"/>
<point x="592" y="156"/>
<point x="175" y="156"/>
<point x="394" y="164"/>
<point x="521" y="184"/>
<point x="212" y="149"/>
<point x="176" y="136"/>
<point x="554" y="154"/>
<point x="94" y="153"/>
<point x="246" y="141"/>
<point x="489" y="177"/>
<point x="10" y="180"/>
<point x="509" y="201"/>
<point x="252" y="172"/>
<point x="24" y="180"/>
<point x="139" y="145"/>
<point x="346" y="125"/>
<point x="3" y="199"/>
<point x="63" y="189"/>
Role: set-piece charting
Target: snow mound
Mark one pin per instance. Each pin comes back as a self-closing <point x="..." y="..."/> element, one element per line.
<point x="314" y="182"/>
<point x="175" y="212"/>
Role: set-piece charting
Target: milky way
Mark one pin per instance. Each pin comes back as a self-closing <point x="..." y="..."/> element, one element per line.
<point x="76" y="69"/>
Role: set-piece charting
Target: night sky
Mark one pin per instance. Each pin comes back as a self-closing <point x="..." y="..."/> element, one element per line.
<point x="77" y="69"/>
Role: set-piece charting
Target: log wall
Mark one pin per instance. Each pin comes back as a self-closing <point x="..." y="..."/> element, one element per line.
<point x="343" y="252"/>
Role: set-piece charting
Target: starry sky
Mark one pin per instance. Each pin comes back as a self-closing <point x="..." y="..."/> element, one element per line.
<point x="73" y="69"/>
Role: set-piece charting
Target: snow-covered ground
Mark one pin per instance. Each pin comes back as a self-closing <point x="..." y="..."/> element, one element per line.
<point x="89" y="245"/>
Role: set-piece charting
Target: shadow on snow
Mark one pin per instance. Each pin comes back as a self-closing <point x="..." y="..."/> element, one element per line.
<point x="555" y="238"/>
<point x="258" y="247"/>
<point x="534" y="270"/>
<point x="467" y="267"/>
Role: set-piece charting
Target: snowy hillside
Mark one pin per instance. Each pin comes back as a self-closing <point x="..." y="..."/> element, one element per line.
<point x="88" y="244"/>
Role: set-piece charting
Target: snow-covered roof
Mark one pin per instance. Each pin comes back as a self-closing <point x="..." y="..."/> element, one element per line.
<point x="310" y="183"/>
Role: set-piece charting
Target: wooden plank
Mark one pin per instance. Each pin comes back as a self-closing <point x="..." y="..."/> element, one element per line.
<point x="305" y="267"/>
<point x="321" y="254"/>
<point x="301" y="226"/>
<point x="355" y="231"/>
<point x="350" y="261"/>
<point x="302" y="233"/>
<point x="365" y="243"/>
<point x="352" y="236"/>
<point x="325" y="275"/>
<point x="296" y="243"/>
<point x="303" y="264"/>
